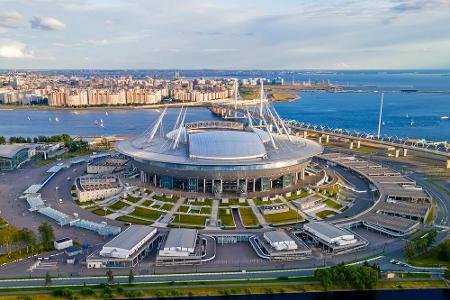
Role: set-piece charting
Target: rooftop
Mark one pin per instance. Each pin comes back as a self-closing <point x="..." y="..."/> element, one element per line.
<point x="277" y="236"/>
<point x="327" y="229"/>
<point x="226" y="145"/>
<point x="181" y="238"/>
<point x="130" y="237"/>
<point x="8" y="151"/>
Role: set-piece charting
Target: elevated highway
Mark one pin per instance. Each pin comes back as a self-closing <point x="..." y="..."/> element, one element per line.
<point x="432" y="150"/>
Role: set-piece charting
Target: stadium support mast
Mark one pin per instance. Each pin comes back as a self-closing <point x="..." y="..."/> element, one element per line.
<point x="261" y="98"/>
<point x="156" y="126"/>
<point x="175" y="126"/>
<point x="235" y="97"/>
<point x="282" y="124"/>
<point x="274" y="120"/>
<point x="180" y="128"/>
<point x="380" y="116"/>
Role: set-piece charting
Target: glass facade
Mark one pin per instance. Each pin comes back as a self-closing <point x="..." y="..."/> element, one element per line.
<point x="12" y="163"/>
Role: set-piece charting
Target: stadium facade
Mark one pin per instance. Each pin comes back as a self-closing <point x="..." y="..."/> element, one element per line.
<point x="220" y="157"/>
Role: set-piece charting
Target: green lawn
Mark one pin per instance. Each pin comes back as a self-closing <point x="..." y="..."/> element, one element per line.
<point x="227" y="219"/>
<point x="283" y="218"/>
<point x="205" y="210"/>
<point x="248" y="218"/>
<point x="118" y="205"/>
<point x="430" y="258"/>
<point x="332" y="204"/>
<point x="430" y="215"/>
<point x="129" y="219"/>
<point x="21" y="253"/>
<point x="325" y="214"/>
<point x="166" y="207"/>
<point x="259" y="202"/>
<point x="183" y="208"/>
<point x="148" y="202"/>
<point x="132" y="199"/>
<point x="102" y="212"/>
<point x="146" y="213"/>
<point x="164" y="198"/>
<point x="414" y="275"/>
<point x="67" y="155"/>
<point x="189" y="220"/>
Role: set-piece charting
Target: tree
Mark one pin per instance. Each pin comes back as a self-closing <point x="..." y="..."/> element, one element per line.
<point x="130" y="277"/>
<point x="48" y="278"/>
<point x="324" y="276"/>
<point x="109" y="276"/>
<point x="27" y="237"/>
<point x="2" y="140"/>
<point x="410" y="250"/>
<point x="47" y="235"/>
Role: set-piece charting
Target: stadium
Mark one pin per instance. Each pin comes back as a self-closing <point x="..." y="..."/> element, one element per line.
<point x="221" y="157"/>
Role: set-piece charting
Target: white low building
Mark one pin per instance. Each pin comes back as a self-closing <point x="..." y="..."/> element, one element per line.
<point x="330" y="234"/>
<point x="280" y="240"/>
<point x="63" y="243"/>
<point x="128" y="242"/>
<point x="179" y="243"/>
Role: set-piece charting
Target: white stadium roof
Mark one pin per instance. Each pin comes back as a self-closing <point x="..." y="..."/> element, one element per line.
<point x="226" y="145"/>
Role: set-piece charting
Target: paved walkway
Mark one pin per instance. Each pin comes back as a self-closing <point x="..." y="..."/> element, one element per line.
<point x="214" y="213"/>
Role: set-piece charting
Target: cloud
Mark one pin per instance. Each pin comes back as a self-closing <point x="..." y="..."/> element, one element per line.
<point x="14" y="49"/>
<point x="219" y="50"/>
<point x="403" y="6"/>
<point x="47" y="23"/>
<point x="10" y="19"/>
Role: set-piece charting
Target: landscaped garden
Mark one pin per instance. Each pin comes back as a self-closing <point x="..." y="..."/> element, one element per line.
<point x="325" y="214"/>
<point x="118" y="205"/>
<point x="146" y="213"/>
<point x="190" y="220"/>
<point x="332" y="204"/>
<point x="248" y="218"/>
<point x="129" y="219"/>
<point x="288" y="217"/>
<point x="226" y="218"/>
<point x="164" y="198"/>
<point x="102" y="212"/>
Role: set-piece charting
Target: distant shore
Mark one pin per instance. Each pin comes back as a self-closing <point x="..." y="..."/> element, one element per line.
<point x="112" y="107"/>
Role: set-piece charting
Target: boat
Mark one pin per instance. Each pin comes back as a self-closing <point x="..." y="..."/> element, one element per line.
<point x="56" y="119"/>
<point x="106" y="113"/>
<point x="412" y="122"/>
<point x="49" y="119"/>
<point x="407" y="115"/>
<point x="384" y="123"/>
<point x="29" y="118"/>
<point x="96" y="122"/>
<point x="444" y="118"/>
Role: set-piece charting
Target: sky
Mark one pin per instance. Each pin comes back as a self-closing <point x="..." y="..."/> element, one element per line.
<point x="228" y="34"/>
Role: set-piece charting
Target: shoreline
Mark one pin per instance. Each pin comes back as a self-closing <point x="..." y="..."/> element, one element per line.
<point x="102" y="108"/>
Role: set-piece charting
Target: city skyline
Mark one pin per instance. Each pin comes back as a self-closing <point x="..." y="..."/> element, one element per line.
<point x="193" y="34"/>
